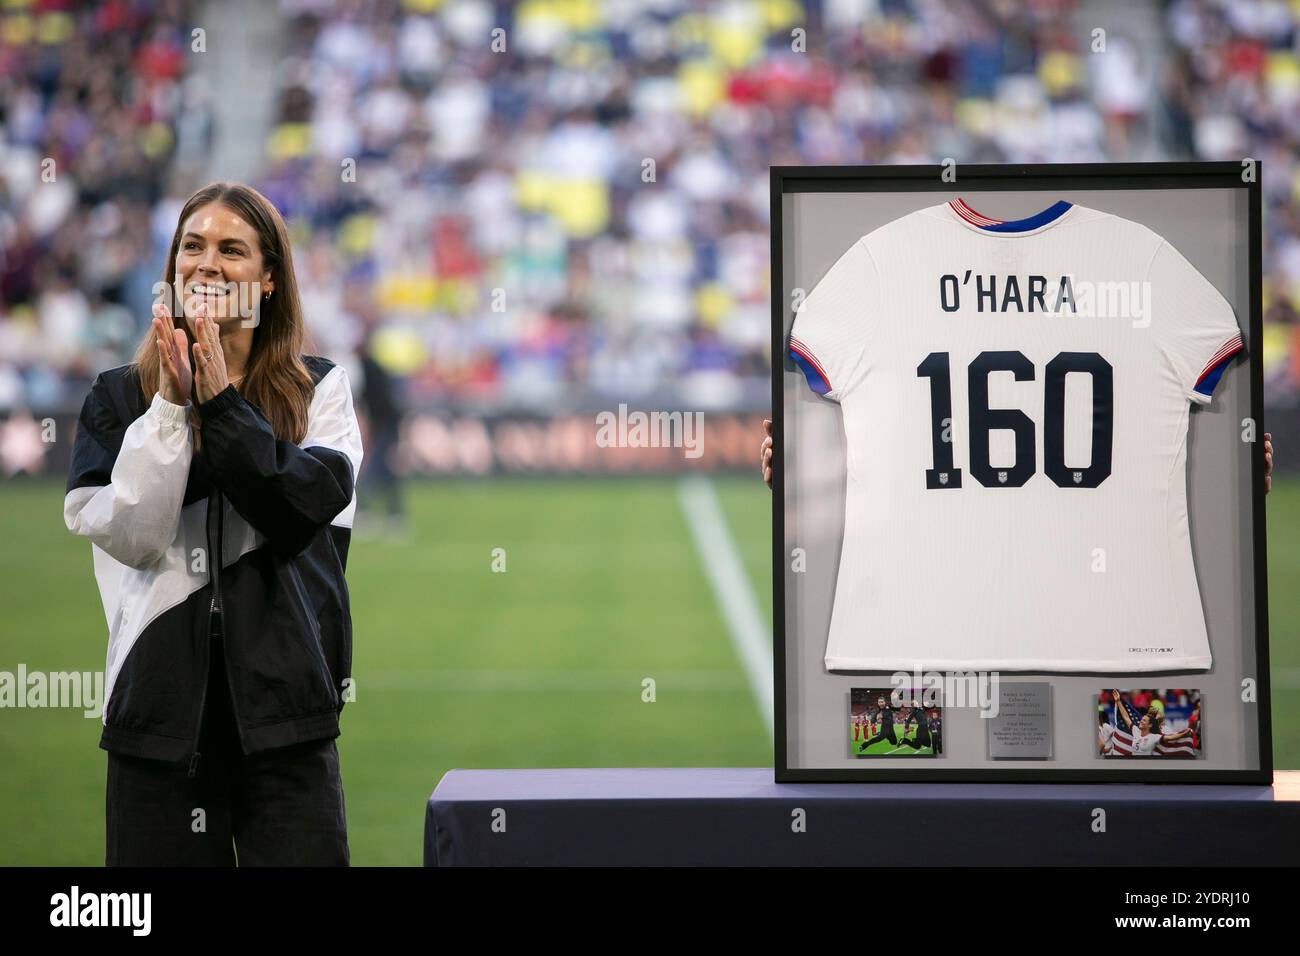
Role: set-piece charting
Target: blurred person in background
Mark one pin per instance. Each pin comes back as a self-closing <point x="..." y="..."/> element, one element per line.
<point x="214" y="477"/>
<point x="382" y="407"/>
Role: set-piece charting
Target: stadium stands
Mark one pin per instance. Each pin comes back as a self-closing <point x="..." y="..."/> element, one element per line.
<point x="574" y="212"/>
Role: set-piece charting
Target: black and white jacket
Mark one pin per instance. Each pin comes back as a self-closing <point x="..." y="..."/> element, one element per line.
<point x="280" y="517"/>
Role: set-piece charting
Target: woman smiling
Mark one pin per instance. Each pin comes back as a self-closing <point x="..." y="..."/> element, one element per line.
<point x="215" y="479"/>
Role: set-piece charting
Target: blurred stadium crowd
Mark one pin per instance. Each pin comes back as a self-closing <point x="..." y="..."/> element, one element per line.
<point x="580" y="219"/>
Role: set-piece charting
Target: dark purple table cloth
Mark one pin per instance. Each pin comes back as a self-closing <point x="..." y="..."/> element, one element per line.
<point x="740" y="817"/>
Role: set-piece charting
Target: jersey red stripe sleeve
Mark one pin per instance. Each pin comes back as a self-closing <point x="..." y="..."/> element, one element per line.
<point x="806" y="353"/>
<point x="1226" y="351"/>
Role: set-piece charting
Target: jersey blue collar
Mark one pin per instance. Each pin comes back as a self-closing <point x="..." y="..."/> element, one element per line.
<point x="1028" y="224"/>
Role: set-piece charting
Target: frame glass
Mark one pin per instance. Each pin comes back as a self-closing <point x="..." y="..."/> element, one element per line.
<point x="1209" y="212"/>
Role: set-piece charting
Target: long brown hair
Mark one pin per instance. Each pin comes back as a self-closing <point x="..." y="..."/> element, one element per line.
<point x="276" y="380"/>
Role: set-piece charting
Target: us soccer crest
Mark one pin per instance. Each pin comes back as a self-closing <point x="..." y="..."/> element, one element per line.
<point x="1078" y="477"/>
<point x="943" y="478"/>
<point x="1002" y="477"/>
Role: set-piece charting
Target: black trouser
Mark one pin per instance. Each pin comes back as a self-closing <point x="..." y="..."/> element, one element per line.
<point x="379" y="475"/>
<point x="921" y="740"/>
<point x="281" y="807"/>
<point x="886" y="733"/>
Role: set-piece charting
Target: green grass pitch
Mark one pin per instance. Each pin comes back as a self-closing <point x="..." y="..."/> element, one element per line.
<point x="603" y="589"/>
<point x="884" y="748"/>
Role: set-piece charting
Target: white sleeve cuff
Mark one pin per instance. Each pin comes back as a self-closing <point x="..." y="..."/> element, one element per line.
<point x="169" y="413"/>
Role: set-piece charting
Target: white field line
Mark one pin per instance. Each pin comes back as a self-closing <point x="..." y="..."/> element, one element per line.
<point x="750" y="634"/>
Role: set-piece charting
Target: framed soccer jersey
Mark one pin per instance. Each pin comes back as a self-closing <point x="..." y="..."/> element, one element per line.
<point x="1018" y="432"/>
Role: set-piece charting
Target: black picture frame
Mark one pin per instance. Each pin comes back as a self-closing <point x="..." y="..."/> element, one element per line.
<point x="787" y="180"/>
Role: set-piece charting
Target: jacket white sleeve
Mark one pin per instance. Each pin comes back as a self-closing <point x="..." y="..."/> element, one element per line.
<point x="126" y="487"/>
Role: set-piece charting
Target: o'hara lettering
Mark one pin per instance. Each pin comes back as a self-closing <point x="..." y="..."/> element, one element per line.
<point x="994" y="293"/>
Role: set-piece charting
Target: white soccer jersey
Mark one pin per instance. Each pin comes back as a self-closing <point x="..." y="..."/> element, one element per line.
<point x="1015" y="399"/>
<point x="1144" y="745"/>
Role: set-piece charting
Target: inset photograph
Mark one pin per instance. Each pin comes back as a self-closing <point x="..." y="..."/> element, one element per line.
<point x="1149" y="723"/>
<point x="889" y="722"/>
